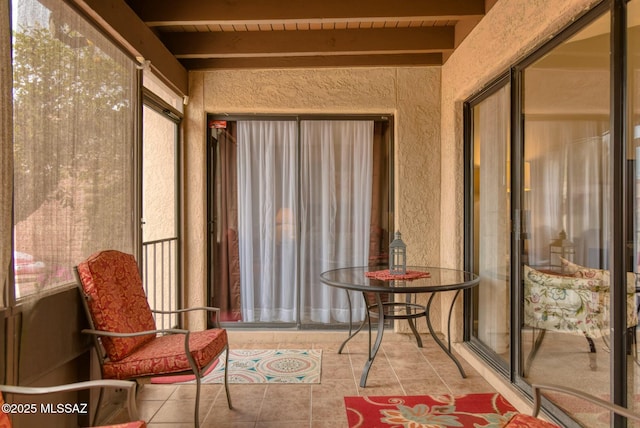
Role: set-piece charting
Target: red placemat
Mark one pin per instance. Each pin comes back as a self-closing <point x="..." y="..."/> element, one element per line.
<point x="385" y="275"/>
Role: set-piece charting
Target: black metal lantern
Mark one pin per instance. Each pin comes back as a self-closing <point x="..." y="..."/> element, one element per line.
<point x="397" y="256"/>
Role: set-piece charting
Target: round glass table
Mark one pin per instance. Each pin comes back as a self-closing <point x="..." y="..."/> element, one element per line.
<point x="377" y="282"/>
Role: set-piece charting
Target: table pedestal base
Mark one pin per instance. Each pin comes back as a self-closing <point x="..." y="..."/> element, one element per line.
<point x="408" y="311"/>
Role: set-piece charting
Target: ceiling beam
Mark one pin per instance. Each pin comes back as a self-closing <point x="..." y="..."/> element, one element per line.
<point x="310" y="43"/>
<point x="196" y="12"/>
<point x="394" y="60"/>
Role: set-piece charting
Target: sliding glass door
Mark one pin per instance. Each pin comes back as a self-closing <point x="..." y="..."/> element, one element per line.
<point x="566" y="291"/>
<point x="289" y="199"/>
<point x="491" y="187"/>
<point x="160" y="198"/>
<point x="553" y="198"/>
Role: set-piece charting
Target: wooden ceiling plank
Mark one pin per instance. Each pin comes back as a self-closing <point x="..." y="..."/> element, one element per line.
<point x="405" y="40"/>
<point x="166" y="12"/>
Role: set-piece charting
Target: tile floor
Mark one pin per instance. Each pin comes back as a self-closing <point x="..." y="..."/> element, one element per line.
<point x="400" y="368"/>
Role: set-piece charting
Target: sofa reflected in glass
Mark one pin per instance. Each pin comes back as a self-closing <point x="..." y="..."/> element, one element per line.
<point x="574" y="301"/>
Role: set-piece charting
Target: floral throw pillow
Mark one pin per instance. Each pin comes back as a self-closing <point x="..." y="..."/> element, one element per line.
<point x="586" y="272"/>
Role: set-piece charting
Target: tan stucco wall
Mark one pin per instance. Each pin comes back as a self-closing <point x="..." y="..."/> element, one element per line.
<point x="510" y="31"/>
<point x="427" y="105"/>
<point x="411" y="95"/>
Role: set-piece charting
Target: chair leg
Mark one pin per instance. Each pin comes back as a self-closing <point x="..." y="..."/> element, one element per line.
<point x="99" y="406"/>
<point x="197" y="409"/>
<point x="593" y="361"/>
<point x="226" y="377"/>
<point x="537" y="341"/>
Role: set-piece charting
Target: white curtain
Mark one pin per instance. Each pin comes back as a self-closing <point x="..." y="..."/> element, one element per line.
<point x="335" y="208"/>
<point x="267" y="209"/>
<point x="322" y="224"/>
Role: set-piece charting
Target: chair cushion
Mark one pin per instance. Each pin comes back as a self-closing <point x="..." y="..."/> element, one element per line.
<point x="520" y="420"/>
<point x="165" y="354"/>
<point x="571" y="303"/>
<point x="116" y="300"/>
<point x="561" y="281"/>
<point x="603" y="275"/>
<point x="562" y="303"/>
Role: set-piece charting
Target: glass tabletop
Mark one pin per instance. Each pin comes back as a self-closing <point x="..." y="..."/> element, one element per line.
<point x="439" y="279"/>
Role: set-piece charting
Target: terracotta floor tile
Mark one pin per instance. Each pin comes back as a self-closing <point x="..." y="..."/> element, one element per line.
<point x="401" y="368"/>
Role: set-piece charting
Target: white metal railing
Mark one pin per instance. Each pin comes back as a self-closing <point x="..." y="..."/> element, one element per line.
<point x="160" y="278"/>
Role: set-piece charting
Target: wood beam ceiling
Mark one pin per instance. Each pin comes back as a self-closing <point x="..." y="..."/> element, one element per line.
<point x="309" y="43"/>
<point x="198" y="12"/>
<point x="297" y="33"/>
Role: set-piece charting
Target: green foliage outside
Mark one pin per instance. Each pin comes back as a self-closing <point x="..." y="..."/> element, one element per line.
<point x="73" y="132"/>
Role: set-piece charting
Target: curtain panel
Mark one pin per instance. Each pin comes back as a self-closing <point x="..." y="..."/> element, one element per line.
<point x="267" y="209"/>
<point x="335" y="194"/>
<point x="294" y="199"/>
<point x="226" y="257"/>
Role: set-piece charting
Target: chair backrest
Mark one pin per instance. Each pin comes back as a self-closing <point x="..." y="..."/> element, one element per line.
<point x="128" y="386"/>
<point x="116" y="301"/>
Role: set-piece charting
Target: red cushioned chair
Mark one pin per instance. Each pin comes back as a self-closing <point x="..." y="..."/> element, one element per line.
<point x="132" y="410"/>
<point x="127" y="342"/>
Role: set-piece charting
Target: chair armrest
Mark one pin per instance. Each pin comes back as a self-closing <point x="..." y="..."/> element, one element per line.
<point x="129" y="386"/>
<point x="537" y="389"/>
<point x="177" y="311"/>
<point x="133" y="334"/>
<point x="197" y="308"/>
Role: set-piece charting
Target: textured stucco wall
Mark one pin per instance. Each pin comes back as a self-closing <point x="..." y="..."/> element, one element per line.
<point x="411" y="95"/>
<point x="426" y="102"/>
<point x="510" y="31"/>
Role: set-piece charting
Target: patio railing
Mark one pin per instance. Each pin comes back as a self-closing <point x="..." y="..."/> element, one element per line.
<point x="160" y="278"/>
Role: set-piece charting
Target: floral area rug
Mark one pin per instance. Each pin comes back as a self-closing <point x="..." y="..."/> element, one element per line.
<point x="262" y="366"/>
<point x="433" y="411"/>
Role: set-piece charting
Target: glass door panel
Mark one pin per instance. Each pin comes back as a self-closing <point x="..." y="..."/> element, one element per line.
<point x="633" y="172"/>
<point x="565" y="280"/>
<point x="267" y="213"/>
<point x="335" y="202"/>
<point x="491" y="129"/>
<point x="160" y="213"/>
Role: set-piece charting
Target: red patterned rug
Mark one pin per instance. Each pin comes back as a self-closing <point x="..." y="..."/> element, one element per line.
<point x="472" y="410"/>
